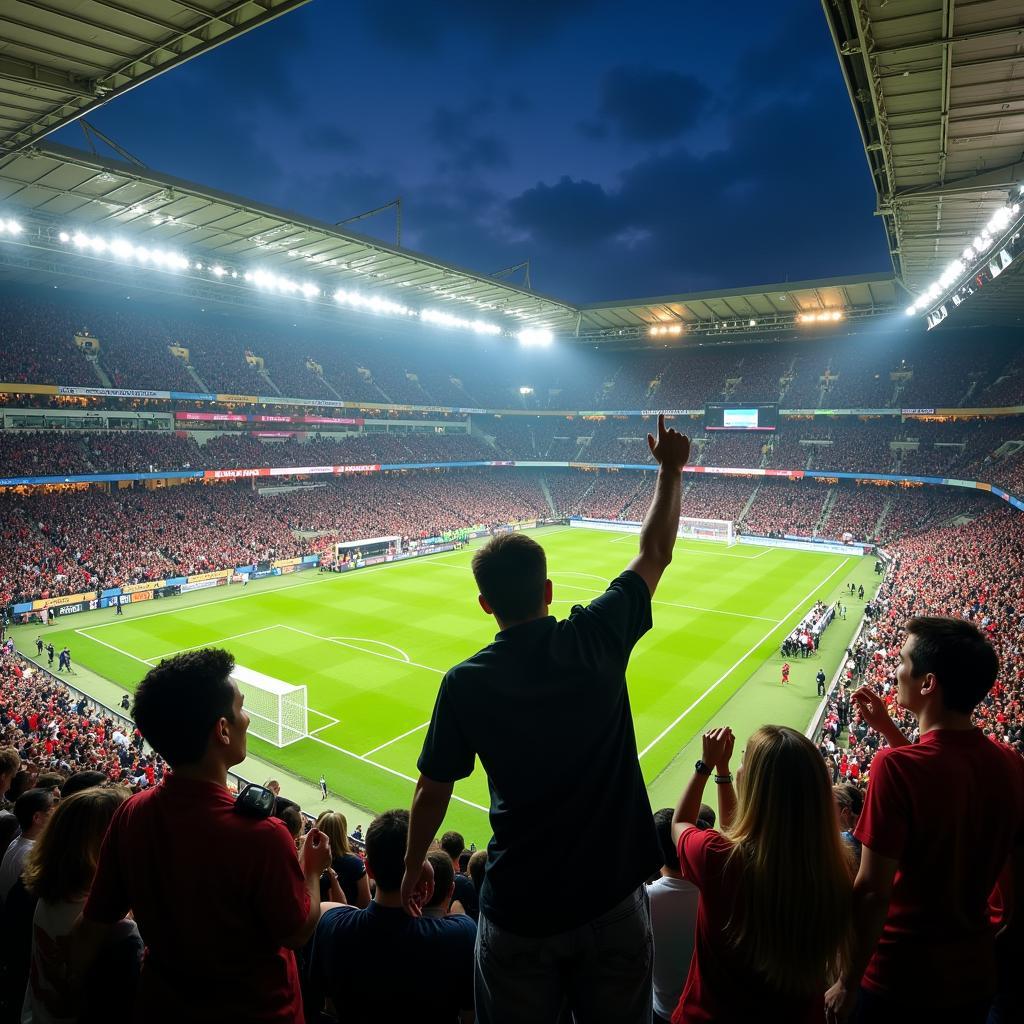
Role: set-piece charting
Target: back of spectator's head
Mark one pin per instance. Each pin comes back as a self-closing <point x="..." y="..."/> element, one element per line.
<point x="476" y="868"/>
<point x="956" y="654"/>
<point x="453" y="844"/>
<point x="33" y="807"/>
<point x="10" y="765"/>
<point x="82" y="780"/>
<point x="50" y="780"/>
<point x="663" y="827"/>
<point x="186" y="705"/>
<point x="273" y="785"/>
<point x="335" y="827"/>
<point x="464" y="861"/>
<point x="61" y="865"/>
<point x="385" y="849"/>
<point x="444" y="878"/>
<point x="511" y="574"/>
<point x="23" y="782"/>
<point x="290" y="813"/>
<point x="849" y="802"/>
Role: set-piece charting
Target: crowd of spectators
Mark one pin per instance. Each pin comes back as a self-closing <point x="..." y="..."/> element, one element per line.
<point x="57" y="733"/>
<point x="970" y="571"/>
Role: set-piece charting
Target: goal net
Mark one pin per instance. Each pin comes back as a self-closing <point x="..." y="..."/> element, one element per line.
<point x="708" y="529"/>
<point x="277" y="710"/>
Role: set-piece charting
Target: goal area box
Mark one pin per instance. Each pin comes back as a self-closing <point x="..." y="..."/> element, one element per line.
<point x="277" y="710"/>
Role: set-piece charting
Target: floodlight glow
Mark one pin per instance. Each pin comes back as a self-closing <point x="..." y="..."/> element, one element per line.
<point x="80" y="240"/>
<point x="443" y="319"/>
<point x="11" y="227"/>
<point x="526" y="391"/>
<point x="64" y="236"/>
<point x="122" y="249"/>
<point x="218" y="271"/>
<point x="310" y="290"/>
<point x="911" y="310"/>
<point x="373" y="303"/>
<point x="535" y="337"/>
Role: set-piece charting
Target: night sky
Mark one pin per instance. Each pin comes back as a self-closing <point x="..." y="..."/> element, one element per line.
<point x="628" y="149"/>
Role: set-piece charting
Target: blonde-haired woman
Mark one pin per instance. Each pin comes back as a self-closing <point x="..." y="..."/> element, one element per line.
<point x="348" y="866"/>
<point x="773" y="921"/>
<point x="59" y="871"/>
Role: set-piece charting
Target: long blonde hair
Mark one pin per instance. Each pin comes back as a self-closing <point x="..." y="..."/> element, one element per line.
<point x="792" y="918"/>
<point x="62" y="863"/>
<point x="334" y="825"/>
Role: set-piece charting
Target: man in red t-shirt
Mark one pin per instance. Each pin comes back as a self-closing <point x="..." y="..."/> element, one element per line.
<point x="219" y="896"/>
<point x="942" y="819"/>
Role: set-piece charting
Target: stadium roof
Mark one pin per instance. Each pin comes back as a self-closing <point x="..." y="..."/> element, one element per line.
<point x="938" y="92"/>
<point x="870" y="295"/>
<point x="74" y="190"/>
<point x="59" y="59"/>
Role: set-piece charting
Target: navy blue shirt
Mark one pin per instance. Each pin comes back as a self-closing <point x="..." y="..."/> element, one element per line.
<point x="380" y="964"/>
<point x="545" y="708"/>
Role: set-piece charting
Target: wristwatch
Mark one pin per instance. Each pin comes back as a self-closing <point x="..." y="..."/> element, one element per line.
<point x="702" y="769"/>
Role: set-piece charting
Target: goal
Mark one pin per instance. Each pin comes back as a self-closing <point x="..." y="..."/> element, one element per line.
<point x="708" y="529"/>
<point x="277" y="710"/>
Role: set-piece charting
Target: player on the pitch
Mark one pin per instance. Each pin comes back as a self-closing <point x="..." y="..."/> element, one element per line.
<point x="785" y="672"/>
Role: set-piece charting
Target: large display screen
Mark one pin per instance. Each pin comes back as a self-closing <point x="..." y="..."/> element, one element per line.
<point x="741" y="416"/>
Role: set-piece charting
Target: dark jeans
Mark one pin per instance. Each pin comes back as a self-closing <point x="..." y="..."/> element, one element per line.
<point x="873" y="1008"/>
<point x="599" y="972"/>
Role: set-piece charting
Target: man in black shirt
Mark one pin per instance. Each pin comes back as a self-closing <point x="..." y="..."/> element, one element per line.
<point x="820" y="679"/>
<point x="546" y="709"/>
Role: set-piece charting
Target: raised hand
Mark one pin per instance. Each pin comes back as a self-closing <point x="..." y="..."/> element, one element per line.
<point x="718" y="745"/>
<point x="315" y="855"/>
<point x="872" y="708"/>
<point x="672" y="449"/>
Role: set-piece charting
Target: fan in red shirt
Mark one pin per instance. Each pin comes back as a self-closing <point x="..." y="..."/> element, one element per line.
<point x="774" y="908"/>
<point x="219" y="896"/>
<point x="943" y="818"/>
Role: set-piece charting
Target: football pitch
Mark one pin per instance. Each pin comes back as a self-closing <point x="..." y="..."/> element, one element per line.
<point x="372" y="645"/>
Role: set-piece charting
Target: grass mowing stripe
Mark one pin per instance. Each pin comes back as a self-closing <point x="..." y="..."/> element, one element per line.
<point x="714" y="686"/>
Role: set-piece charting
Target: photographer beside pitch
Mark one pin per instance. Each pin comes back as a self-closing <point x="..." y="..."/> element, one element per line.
<point x="546" y="709"/>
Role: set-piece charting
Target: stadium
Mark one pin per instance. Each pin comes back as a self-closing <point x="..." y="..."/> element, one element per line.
<point x="228" y="425"/>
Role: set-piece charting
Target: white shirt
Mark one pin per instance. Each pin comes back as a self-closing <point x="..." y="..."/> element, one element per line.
<point x="13" y="864"/>
<point x="673" y="920"/>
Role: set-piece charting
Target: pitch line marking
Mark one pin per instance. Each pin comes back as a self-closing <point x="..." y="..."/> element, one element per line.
<point x="368" y="640"/>
<point x="688" y="607"/>
<point x="375" y="654"/>
<point x="96" y="639"/>
<point x="696" y="551"/>
<point x="408" y="732"/>
<point x="210" y="643"/>
<point x="801" y="603"/>
<point x="391" y="771"/>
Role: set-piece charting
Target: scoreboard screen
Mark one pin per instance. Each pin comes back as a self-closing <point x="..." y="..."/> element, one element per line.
<point x="741" y="416"/>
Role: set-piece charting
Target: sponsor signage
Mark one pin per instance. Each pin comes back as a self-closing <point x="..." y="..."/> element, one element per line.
<point x="217" y="574"/>
<point x="219" y="417"/>
<point x="142" y="595"/>
<point x="54" y="602"/>
<point x="138" y="588"/>
<point x="201" y="585"/>
<point x="340" y="420"/>
<point x="112" y="392"/>
<point x="238" y="399"/>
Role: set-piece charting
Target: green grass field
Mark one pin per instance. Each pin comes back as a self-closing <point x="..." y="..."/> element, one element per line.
<point x="371" y="647"/>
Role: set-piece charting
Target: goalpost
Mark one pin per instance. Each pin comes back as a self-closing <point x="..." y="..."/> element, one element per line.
<point x="277" y="710"/>
<point x="708" y="529"/>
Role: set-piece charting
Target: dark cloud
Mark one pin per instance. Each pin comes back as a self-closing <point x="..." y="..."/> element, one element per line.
<point x="414" y="27"/>
<point x="650" y="105"/>
<point x="465" y="146"/>
<point x="331" y="138"/>
<point x="567" y="214"/>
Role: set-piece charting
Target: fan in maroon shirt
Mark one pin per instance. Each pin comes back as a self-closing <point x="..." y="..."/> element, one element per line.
<point x="943" y="818"/>
<point x="220" y="898"/>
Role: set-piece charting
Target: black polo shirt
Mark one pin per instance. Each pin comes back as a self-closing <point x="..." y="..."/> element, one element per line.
<point x="545" y="708"/>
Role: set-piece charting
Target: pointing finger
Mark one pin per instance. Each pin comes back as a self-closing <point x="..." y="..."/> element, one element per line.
<point x="661" y="425"/>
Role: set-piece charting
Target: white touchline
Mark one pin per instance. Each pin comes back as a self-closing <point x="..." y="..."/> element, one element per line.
<point x="96" y="639"/>
<point x="369" y="640"/>
<point x="664" y="732"/>
<point x="408" y="732"/>
<point x="391" y="771"/>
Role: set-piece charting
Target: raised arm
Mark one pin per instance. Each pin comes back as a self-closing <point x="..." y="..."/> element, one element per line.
<point x="873" y="710"/>
<point x="671" y="451"/>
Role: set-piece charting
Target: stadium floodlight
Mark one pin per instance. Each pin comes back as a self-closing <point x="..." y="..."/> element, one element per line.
<point x="535" y="337"/>
<point x="830" y="315"/>
<point x="10" y="227"/>
<point x="371" y="303"/>
<point x="525" y="391"/>
<point x="659" y="329"/>
<point x="218" y="271"/>
<point x="443" y="319"/>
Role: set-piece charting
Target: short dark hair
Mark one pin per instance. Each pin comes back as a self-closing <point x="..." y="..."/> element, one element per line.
<point x="82" y="780"/>
<point x="10" y="762"/>
<point x="510" y="571"/>
<point x="180" y="701"/>
<point x="385" y="848"/>
<point x="476" y="869"/>
<point x="453" y="844"/>
<point x="29" y="804"/>
<point x="289" y="812"/>
<point x="959" y="656"/>
<point x="663" y="828"/>
<point x="444" y="876"/>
